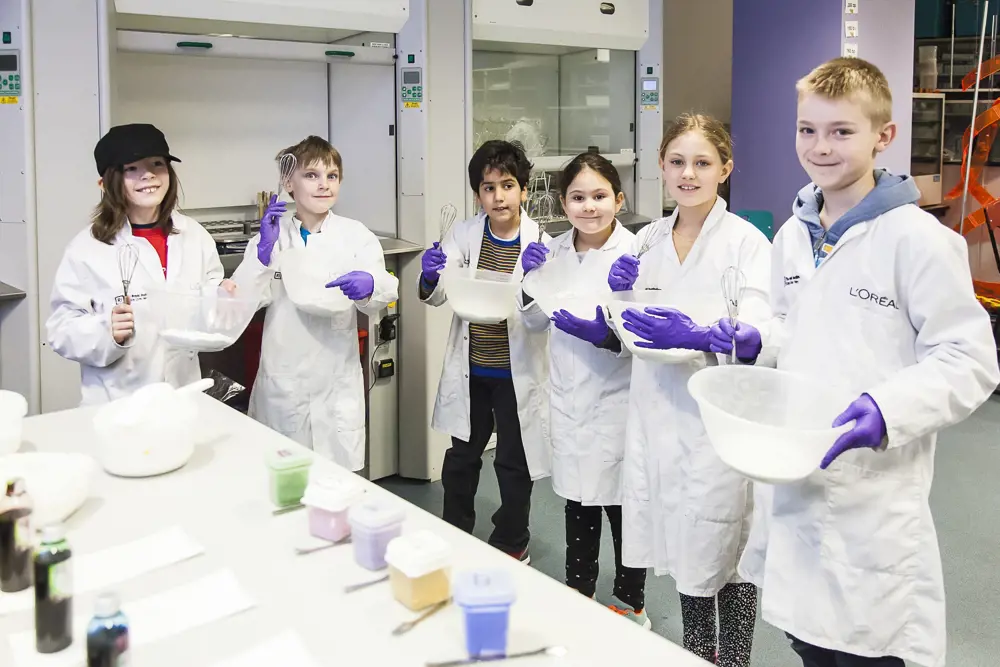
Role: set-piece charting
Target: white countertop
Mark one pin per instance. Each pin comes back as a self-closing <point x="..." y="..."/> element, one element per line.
<point x="221" y="499"/>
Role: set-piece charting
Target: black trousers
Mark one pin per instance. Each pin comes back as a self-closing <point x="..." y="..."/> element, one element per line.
<point x="492" y="401"/>
<point x="737" y="614"/>
<point x="583" y="546"/>
<point x="814" y="656"/>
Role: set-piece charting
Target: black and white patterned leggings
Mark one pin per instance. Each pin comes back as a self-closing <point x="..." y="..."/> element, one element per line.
<point x="583" y="545"/>
<point x="737" y="614"/>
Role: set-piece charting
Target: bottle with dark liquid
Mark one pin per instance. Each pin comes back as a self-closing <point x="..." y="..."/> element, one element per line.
<point x="107" y="634"/>
<point x="15" y="538"/>
<point x="53" y="592"/>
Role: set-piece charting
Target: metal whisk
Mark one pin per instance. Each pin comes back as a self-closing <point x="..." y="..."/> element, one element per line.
<point x="734" y="283"/>
<point x="546" y="212"/>
<point x="286" y="167"/>
<point x="128" y="259"/>
<point x="448" y="215"/>
<point x="649" y="241"/>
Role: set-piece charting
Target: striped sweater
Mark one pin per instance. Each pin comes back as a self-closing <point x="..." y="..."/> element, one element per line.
<point x="489" y="347"/>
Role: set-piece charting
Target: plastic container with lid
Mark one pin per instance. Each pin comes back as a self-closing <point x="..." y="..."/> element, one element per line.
<point x="419" y="565"/>
<point x="289" y="476"/>
<point x="328" y="499"/>
<point x="485" y="597"/>
<point x="374" y="523"/>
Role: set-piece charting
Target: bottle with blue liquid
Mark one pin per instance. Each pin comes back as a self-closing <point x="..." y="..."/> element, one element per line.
<point x="107" y="634"/>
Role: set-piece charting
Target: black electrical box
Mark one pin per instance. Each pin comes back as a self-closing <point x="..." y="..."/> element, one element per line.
<point x="386" y="368"/>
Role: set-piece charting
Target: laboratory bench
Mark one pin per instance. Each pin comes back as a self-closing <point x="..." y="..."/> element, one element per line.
<point x="9" y="293"/>
<point x="229" y="547"/>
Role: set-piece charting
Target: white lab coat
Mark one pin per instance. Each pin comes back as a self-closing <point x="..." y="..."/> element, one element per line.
<point x="848" y="558"/>
<point x="589" y="391"/>
<point x="87" y="287"/>
<point x="685" y="512"/>
<point x="310" y="384"/>
<point x="528" y="356"/>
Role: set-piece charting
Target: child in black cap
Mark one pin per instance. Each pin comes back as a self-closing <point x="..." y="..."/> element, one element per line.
<point x="93" y="318"/>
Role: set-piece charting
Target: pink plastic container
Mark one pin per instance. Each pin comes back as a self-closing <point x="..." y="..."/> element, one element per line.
<point x="328" y="500"/>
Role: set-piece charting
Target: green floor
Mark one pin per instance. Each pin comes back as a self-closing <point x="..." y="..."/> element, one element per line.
<point x="966" y="504"/>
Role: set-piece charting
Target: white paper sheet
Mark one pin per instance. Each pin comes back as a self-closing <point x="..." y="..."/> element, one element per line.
<point x="151" y="619"/>
<point x="852" y="29"/>
<point x="852" y="7"/>
<point x="96" y="571"/>
<point x="286" y="650"/>
<point x="850" y="50"/>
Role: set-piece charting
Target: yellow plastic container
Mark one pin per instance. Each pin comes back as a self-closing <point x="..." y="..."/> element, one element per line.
<point x="419" y="570"/>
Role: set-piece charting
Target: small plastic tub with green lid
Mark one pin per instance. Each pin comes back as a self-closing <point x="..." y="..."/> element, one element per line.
<point x="289" y="475"/>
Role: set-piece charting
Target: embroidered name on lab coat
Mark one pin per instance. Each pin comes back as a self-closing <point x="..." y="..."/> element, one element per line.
<point x="791" y="280"/>
<point x="867" y="295"/>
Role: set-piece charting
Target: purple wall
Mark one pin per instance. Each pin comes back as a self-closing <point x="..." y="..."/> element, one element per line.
<point x="775" y="43"/>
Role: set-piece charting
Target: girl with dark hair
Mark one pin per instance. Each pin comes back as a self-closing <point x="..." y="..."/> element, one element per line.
<point x="589" y="381"/>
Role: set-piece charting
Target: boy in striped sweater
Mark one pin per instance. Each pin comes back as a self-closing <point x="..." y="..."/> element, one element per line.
<point x="494" y="375"/>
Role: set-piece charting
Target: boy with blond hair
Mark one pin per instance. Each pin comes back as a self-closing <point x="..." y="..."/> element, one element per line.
<point x="873" y="296"/>
<point x="310" y="384"/>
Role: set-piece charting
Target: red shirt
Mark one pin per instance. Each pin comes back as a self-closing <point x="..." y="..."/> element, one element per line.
<point x="158" y="239"/>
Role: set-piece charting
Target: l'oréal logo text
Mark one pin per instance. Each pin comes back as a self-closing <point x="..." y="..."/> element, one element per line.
<point x="868" y="295"/>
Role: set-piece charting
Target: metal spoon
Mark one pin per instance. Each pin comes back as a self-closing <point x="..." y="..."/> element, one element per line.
<point x="302" y="551"/>
<point x="551" y="651"/>
<point x="403" y="628"/>
<point x="366" y="584"/>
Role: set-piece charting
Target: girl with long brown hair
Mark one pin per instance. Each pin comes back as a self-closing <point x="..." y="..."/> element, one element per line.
<point x="137" y="233"/>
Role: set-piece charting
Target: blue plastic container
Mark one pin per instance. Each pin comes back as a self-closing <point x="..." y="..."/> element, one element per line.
<point x="485" y="597"/>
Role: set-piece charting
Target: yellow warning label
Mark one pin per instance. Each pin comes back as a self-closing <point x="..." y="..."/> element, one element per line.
<point x="8" y="100"/>
<point x="411" y="105"/>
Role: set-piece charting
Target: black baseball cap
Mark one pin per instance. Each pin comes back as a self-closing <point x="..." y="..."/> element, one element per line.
<point x="124" y="144"/>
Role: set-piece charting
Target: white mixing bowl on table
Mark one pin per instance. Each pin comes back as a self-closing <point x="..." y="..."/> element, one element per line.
<point x="771" y="426"/>
<point x="13" y="408"/>
<point x="703" y="309"/>
<point x="149" y="433"/>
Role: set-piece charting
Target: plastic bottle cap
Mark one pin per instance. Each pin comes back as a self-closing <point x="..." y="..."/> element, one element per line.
<point x="54" y="533"/>
<point x="15" y="486"/>
<point x="107" y="605"/>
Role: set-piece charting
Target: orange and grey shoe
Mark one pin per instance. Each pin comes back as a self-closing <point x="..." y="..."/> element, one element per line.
<point x="639" y="617"/>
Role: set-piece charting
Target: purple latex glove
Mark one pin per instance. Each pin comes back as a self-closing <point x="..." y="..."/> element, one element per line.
<point x="534" y="256"/>
<point x="748" y="343"/>
<point x="357" y="285"/>
<point x="270" y="225"/>
<point x="593" y="331"/>
<point x="869" y="429"/>
<point x="432" y="264"/>
<point x="666" y="329"/>
<point x="624" y="272"/>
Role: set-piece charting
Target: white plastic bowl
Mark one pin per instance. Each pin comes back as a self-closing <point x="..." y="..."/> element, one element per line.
<point x="13" y="408"/>
<point x="561" y="284"/>
<point x="305" y="273"/>
<point x="480" y="297"/>
<point x="149" y="433"/>
<point x="769" y="425"/>
<point x="207" y="321"/>
<point x="704" y="310"/>
<point x="59" y="484"/>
